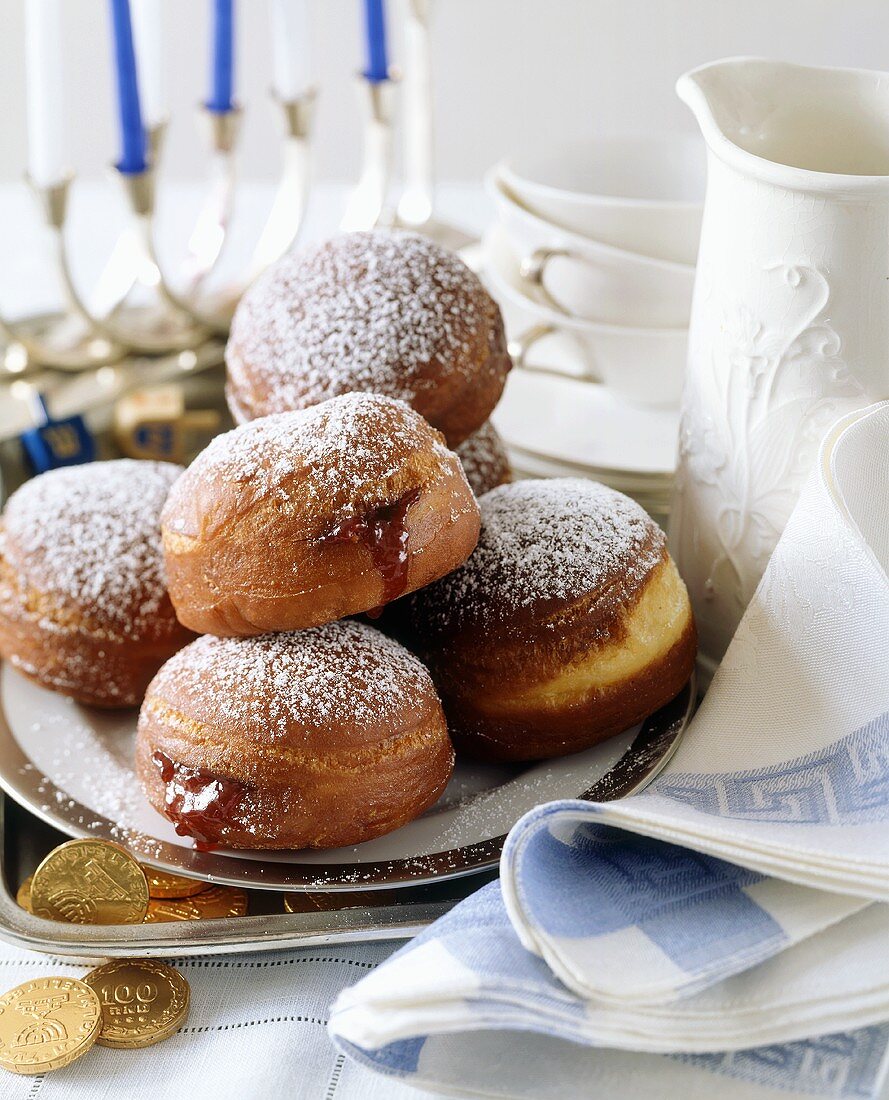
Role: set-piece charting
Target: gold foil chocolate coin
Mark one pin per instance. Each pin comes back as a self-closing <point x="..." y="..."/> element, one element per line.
<point x="218" y="901"/>
<point x="23" y="894"/>
<point x="47" y="1023"/>
<point x="90" y="882"/>
<point x="143" y="1002"/>
<point x="161" y="884"/>
<point x="296" y="901"/>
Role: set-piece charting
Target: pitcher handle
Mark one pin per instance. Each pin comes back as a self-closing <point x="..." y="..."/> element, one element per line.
<point x="533" y="269"/>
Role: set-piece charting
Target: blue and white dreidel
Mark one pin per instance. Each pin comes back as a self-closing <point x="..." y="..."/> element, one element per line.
<point x="52" y="443"/>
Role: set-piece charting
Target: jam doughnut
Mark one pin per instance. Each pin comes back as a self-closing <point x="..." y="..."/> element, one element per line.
<point x="298" y="519"/>
<point x="484" y="459"/>
<point x="567" y="625"/>
<point x="84" y="608"/>
<point x="378" y="312"/>
<point x="319" y="738"/>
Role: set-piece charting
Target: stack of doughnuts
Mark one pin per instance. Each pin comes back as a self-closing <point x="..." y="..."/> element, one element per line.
<point x="363" y="475"/>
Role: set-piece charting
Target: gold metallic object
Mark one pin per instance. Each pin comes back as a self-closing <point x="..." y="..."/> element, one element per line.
<point x="23" y="894"/>
<point x="222" y="127"/>
<point x="299" y="901"/>
<point x="163" y="884"/>
<point x="47" y="1023"/>
<point x="90" y="882"/>
<point x="218" y="901"/>
<point x="143" y="1002"/>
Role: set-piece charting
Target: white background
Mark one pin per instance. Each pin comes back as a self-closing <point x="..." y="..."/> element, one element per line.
<point x="509" y="73"/>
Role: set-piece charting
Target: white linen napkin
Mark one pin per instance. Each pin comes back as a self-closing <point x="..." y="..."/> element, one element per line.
<point x="649" y="924"/>
<point x="785" y="767"/>
<point x="466" y="1009"/>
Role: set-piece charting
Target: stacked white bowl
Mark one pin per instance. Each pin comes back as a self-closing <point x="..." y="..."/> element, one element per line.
<point x="592" y="259"/>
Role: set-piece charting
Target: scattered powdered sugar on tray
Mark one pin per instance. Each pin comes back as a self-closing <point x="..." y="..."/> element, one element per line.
<point x="274" y="685"/>
<point x="80" y="762"/>
<point x="342" y="445"/>
<point x="544" y="540"/>
<point x="90" y="536"/>
<point x="364" y="311"/>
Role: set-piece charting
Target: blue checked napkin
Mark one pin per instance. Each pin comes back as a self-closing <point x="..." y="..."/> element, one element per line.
<point x="715" y="934"/>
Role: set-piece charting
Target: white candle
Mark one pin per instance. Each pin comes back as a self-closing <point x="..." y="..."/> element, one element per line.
<point x="291" y="48"/>
<point x="44" y="94"/>
<point x="148" y="39"/>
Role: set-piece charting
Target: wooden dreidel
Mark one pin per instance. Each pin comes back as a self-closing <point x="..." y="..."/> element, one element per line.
<point x="52" y="443"/>
<point x="154" y="423"/>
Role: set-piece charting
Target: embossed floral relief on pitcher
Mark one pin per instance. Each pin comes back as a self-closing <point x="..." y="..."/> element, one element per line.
<point x="776" y="384"/>
<point x="790" y="325"/>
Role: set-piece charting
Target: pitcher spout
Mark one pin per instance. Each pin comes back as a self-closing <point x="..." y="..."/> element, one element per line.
<point x="798" y="126"/>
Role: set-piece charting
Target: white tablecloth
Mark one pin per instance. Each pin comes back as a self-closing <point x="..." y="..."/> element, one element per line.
<point x="257" y="1029"/>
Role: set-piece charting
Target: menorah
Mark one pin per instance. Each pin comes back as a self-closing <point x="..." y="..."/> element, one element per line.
<point x="139" y="308"/>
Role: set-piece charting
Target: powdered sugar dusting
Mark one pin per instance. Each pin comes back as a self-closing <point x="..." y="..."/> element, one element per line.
<point x="548" y="540"/>
<point x="270" y="686"/>
<point x="89" y="536"/>
<point x="345" y="445"/>
<point x="484" y="459"/>
<point x="366" y="311"/>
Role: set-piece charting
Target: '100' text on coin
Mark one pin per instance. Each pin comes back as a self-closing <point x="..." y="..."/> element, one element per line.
<point x="143" y="1001"/>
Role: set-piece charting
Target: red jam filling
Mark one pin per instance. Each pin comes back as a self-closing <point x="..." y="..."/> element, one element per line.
<point x="200" y="804"/>
<point x="385" y="535"/>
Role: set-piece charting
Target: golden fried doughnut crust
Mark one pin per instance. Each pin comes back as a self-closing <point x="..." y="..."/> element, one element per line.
<point x="320" y="738"/>
<point x="84" y="608"/>
<point x="485" y="461"/>
<point x="302" y="518"/>
<point x="567" y="625"/>
<point x="378" y="312"/>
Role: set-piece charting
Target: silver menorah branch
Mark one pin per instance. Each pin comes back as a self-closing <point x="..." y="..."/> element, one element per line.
<point x="136" y="308"/>
<point x="366" y="207"/>
<point x="289" y="206"/>
<point x="67" y="339"/>
<point x="207" y="240"/>
<point x="416" y="206"/>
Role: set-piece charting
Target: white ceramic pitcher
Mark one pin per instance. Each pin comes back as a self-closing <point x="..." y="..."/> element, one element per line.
<point x="790" y="316"/>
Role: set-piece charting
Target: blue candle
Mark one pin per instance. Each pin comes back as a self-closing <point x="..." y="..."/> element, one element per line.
<point x="221" y="99"/>
<point x="377" y="68"/>
<point x="132" y="132"/>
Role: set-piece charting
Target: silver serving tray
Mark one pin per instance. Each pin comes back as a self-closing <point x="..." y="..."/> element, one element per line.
<point x="25" y="839"/>
<point x="388" y="914"/>
<point x="648" y="752"/>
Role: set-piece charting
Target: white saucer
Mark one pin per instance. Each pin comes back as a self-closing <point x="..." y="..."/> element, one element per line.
<point x="584" y="424"/>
